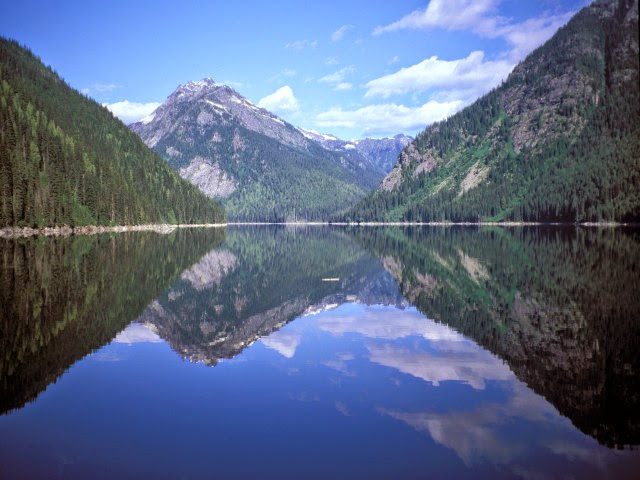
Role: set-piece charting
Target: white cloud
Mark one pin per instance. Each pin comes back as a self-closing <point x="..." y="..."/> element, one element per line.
<point x="338" y="76"/>
<point x="471" y="367"/>
<point x="138" y="333"/>
<point x="448" y="14"/>
<point x="343" y="86"/>
<point x="300" y="45"/>
<point x="450" y="83"/>
<point x="479" y="16"/>
<point x="450" y="357"/>
<point x="130" y="112"/>
<point x="472" y="74"/>
<point x="482" y="434"/>
<point x="284" y="342"/>
<point x="574" y="451"/>
<point x="526" y="36"/>
<point x="388" y="118"/>
<point x="340" y="364"/>
<point x="280" y="101"/>
<point x="331" y="61"/>
<point x="374" y="322"/>
<point x="395" y="59"/>
<point x="473" y="435"/>
<point x="339" y="33"/>
<point x="100" y="88"/>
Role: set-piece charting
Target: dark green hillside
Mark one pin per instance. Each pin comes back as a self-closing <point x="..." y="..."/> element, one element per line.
<point x="65" y="160"/>
<point x="559" y="140"/>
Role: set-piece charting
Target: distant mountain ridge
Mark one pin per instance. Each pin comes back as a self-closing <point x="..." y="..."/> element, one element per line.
<point x="383" y="152"/>
<point x="65" y="160"/>
<point x="557" y="141"/>
<point x="380" y="153"/>
<point x="263" y="167"/>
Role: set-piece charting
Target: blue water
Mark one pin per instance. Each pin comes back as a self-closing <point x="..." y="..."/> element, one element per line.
<point x="341" y="393"/>
<point x="345" y="389"/>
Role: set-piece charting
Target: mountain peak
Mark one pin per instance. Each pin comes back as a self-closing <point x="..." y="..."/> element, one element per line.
<point x="229" y="147"/>
<point x="200" y="84"/>
<point x="196" y="87"/>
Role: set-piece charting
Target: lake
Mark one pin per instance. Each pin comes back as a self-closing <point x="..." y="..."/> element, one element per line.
<point x="321" y="352"/>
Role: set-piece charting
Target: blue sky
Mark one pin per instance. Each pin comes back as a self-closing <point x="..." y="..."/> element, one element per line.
<point x="355" y="69"/>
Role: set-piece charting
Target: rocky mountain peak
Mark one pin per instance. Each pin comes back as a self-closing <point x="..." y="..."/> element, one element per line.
<point x="194" y="88"/>
<point x="231" y="148"/>
<point x="207" y="104"/>
<point x="200" y="84"/>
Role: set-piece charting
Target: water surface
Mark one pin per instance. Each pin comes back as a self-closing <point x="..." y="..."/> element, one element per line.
<point x="321" y="352"/>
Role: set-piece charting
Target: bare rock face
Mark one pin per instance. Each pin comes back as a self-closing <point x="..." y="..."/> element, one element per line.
<point x="210" y="270"/>
<point x="209" y="178"/>
<point x="393" y="178"/>
<point x="474" y="177"/>
<point x="410" y="158"/>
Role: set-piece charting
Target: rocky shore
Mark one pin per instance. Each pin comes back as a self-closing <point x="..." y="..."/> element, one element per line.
<point x="16" y="232"/>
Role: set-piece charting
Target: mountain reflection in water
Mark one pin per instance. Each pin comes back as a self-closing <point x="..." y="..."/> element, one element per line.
<point x="476" y="350"/>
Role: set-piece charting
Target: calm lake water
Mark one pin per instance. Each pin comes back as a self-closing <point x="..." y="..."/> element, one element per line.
<point x="321" y="352"/>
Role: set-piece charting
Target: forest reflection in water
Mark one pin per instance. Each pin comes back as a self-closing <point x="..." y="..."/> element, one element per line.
<point x="488" y="338"/>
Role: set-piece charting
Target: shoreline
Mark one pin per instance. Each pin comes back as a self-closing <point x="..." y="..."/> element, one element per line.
<point x="21" y="232"/>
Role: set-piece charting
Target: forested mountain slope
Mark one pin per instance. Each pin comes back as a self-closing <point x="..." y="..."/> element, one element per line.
<point x="65" y="160"/>
<point x="557" y="141"/>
